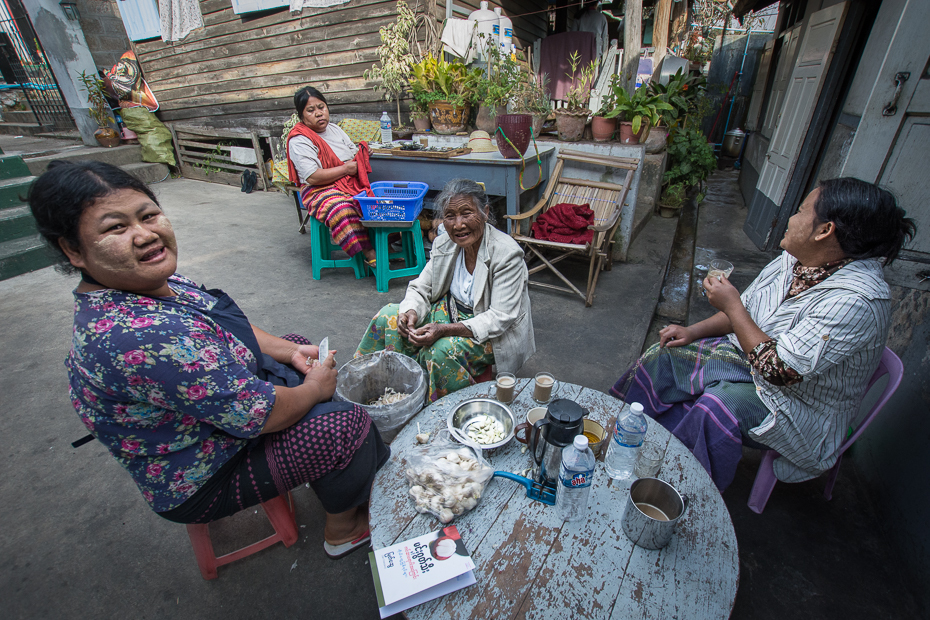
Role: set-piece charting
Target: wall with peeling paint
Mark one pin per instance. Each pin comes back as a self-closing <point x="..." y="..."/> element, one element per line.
<point x="68" y="55"/>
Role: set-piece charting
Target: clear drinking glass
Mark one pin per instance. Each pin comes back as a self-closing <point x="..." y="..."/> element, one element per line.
<point x="649" y="461"/>
<point x="717" y="268"/>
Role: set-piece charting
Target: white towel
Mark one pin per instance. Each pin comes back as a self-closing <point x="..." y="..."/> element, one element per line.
<point x="298" y="5"/>
<point x="179" y="18"/>
<point x="457" y="35"/>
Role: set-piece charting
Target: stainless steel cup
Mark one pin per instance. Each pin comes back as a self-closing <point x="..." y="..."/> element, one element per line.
<point x="659" y="499"/>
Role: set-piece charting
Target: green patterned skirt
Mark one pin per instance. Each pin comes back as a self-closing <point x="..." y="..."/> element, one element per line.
<point x="451" y="363"/>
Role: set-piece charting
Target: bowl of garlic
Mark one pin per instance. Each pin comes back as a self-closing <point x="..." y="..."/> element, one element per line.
<point x="482" y="422"/>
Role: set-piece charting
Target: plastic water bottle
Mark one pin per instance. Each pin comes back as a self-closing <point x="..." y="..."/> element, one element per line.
<point x="575" y="473"/>
<point x="386" y="136"/>
<point x="627" y="439"/>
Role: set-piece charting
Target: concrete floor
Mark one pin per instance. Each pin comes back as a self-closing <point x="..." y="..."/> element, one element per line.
<point x="80" y="542"/>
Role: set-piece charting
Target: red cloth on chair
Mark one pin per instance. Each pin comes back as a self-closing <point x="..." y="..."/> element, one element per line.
<point x="565" y="223"/>
<point x="350" y="185"/>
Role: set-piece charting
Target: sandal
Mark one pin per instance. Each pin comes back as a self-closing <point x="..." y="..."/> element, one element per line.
<point x="335" y="552"/>
<point x="373" y="263"/>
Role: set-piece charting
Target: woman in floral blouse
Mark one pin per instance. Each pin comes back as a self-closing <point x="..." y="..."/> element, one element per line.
<point x="208" y="414"/>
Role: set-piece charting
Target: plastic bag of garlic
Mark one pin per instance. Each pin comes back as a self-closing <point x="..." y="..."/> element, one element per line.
<point x="446" y="478"/>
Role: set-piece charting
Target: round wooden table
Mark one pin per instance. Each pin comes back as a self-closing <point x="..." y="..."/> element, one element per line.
<point x="530" y="564"/>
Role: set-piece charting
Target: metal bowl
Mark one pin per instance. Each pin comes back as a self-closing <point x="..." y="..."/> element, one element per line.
<point x="473" y="412"/>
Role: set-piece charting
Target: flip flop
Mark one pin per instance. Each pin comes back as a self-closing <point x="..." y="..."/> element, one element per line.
<point x="244" y="180"/>
<point x="335" y="552"/>
<point x="373" y="263"/>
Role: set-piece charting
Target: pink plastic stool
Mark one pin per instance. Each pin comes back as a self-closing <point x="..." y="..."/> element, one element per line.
<point x="283" y="518"/>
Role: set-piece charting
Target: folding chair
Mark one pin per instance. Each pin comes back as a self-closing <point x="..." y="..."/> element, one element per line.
<point x="605" y="199"/>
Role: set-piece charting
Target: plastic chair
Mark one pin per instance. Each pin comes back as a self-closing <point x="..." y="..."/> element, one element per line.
<point x="411" y="250"/>
<point x="321" y="252"/>
<point x="765" y="478"/>
<point x="283" y="518"/>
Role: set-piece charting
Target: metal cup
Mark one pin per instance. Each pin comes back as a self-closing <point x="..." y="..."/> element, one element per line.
<point x="652" y="512"/>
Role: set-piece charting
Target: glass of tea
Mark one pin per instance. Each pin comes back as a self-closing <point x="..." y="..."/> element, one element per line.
<point x="506" y="382"/>
<point x="717" y="269"/>
<point x="545" y="384"/>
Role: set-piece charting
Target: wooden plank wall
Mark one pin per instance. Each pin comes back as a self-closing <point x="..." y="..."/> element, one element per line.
<point x="236" y="73"/>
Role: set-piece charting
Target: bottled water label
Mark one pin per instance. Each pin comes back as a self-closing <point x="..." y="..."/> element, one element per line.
<point x="578" y="479"/>
<point x="628" y="437"/>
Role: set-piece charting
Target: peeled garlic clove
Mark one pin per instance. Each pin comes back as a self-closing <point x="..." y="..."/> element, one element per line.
<point x="423" y="438"/>
<point x="446" y="515"/>
<point x="452" y="457"/>
<point x="469" y="502"/>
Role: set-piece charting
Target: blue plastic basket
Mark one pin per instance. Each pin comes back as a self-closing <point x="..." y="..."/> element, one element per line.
<point x="394" y="201"/>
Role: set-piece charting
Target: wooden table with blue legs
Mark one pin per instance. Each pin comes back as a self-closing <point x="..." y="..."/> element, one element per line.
<point x="532" y="565"/>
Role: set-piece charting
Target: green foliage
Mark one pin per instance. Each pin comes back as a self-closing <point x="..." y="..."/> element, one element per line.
<point x="530" y="95"/>
<point x="683" y="92"/>
<point x="674" y="195"/>
<point x="213" y="157"/>
<point x="99" y="109"/>
<point x="576" y="99"/>
<point x="691" y="157"/>
<point x="495" y="88"/>
<point x="394" y="56"/>
<point x="641" y="107"/>
<point x="435" y="79"/>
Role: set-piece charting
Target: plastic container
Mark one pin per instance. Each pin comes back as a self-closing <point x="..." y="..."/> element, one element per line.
<point x="485" y="20"/>
<point x="394" y="201"/>
<point x="386" y="135"/>
<point x="505" y="38"/>
<point x="624" y="445"/>
<point x="575" y="474"/>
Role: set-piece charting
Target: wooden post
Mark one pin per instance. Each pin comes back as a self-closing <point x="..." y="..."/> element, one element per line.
<point x="632" y="42"/>
<point x="660" y="30"/>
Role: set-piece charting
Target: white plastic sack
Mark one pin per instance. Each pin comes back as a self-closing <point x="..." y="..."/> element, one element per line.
<point x="243" y="155"/>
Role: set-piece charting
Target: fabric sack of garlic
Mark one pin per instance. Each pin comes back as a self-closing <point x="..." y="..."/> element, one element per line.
<point x="447" y="479"/>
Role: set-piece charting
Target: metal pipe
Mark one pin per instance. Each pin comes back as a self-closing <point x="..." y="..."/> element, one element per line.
<point x="726" y="126"/>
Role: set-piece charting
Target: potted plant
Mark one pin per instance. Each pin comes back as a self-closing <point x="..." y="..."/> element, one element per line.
<point x="638" y="112"/>
<point x="602" y="127"/>
<point x="394" y="57"/>
<point x="495" y="87"/>
<point x="530" y="96"/>
<point x="420" y="116"/>
<point x="99" y="110"/>
<point x="681" y="92"/>
<point x="673" y="196"/>
<point x="447" y="89"/>
<point x="691" y="158"/>
<point x="571" y="119"/>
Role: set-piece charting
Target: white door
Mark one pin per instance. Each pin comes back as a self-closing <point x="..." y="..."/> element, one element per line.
<point x="758" y="88"/>
<point x="817" y="49"/>
<point x="892" y="146"/>
<point x="789" y="45"/>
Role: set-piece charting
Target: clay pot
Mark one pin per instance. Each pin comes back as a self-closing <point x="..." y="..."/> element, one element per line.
<point x="422" y="124"/>
<point x="107" y="137"/>
<point x="485" y="121"/>
<point x="603" y="128"/>
<point x="628" y="137"/>
<point x="571" y="124"/>
<point x="518" y="129"/>
<point x="448" y="119"/>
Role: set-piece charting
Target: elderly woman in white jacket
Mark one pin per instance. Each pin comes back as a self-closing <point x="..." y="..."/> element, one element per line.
<point x="469" y="308"/>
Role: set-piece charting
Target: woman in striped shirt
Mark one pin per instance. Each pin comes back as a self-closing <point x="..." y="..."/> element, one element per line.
<point x="784" y="365"/>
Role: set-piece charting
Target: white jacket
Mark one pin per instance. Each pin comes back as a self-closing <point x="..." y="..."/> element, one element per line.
<point x="501" y="298"/>
<point x="834" y="335"/>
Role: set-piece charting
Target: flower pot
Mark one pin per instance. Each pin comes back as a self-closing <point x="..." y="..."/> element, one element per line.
<point x="571" y="124"/>
<point x="667" y="211"/>
<point x="628" y="137"/>
<point x="107" y="137"/>
<point x="513" y="134"/>
<point x="422" y="124"/>
<point x="448" y="119"/>
<point x="485" y="121"/>
<point x="603" y="128"/>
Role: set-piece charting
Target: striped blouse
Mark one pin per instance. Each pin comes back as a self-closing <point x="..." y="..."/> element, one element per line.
<point x="833" y="334"/>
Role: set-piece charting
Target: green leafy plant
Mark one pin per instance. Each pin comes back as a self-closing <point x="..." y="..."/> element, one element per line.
<point x="495" y="87"/>
<point x="214" y="158"/>
<point x="691" y="157"/>
<point x="578" y="94"/>
<point x="394" y="57"/>
<point x="674" y="195"/>
<point x="434" y="79"/>
<point x="642" y="109"/>
<point x="530" y="95"/>
<point x="98" y="109"/>
<point x="682" y="92"/>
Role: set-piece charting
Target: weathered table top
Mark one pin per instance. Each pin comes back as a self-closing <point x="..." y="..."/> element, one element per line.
<point x="532" y="565"/>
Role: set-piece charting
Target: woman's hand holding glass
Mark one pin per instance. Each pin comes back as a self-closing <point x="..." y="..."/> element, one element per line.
<point x="720" y="293"/>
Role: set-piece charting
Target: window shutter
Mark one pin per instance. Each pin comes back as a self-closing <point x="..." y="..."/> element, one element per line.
<point x="140" y="17"/>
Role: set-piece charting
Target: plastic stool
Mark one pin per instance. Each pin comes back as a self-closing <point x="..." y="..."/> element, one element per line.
<point x="322" y="247"/>
<point x="411" y="251"/>
<point x="281" y="514"/>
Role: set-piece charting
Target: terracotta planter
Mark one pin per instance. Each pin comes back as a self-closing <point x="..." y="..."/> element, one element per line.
<point x="422" y="124"/>
<point x="107" y="137"/>
<point x="571" y="124"/>
<point x="667" y="211"/>
<point x="518" y="129"/>
<point x="628" y="137"/>
<point x="485" y="121"/>
<point x="603" y="128"/>
<point x="446" y="118"/>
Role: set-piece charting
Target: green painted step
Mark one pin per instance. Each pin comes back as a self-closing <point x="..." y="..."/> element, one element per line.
<point x="12" y="167"/>
<point x="16" y="222"/>
<point x="23" y="255"/>
<point x="12" y="189"/>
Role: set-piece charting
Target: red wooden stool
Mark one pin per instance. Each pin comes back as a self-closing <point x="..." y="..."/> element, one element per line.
<point x="283" y="519"/>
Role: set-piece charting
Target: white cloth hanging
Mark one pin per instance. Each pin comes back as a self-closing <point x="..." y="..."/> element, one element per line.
<point x="298" y="5"/>
<point x="457" y="36"/>
<point x="179" y="18"/>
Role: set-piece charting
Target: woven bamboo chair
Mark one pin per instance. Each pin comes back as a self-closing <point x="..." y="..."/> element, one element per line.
<point x="605" y="199"/>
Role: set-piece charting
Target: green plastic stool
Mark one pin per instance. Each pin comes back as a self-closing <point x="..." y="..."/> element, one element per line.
<point x="411" y="250"/>
<point x="321" y="252"/>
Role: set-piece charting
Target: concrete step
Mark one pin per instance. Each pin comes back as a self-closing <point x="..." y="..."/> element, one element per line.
<point x="19" y="116"/>
<point x="118" y="156"/>
<point x="21" y="129"/>
<point x="12" y="166"/>
<point x="12" y="191"/>
<point x="16" y="223"/>
<point x="23" y="255"/>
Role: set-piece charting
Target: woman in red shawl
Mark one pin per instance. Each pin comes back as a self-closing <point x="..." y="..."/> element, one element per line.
<point x="329" y="169"/>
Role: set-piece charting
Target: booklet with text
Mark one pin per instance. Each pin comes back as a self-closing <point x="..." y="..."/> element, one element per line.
<point x="420" y="569"/>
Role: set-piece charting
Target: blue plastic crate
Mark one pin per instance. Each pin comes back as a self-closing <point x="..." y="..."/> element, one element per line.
<point x="394" y="201"/>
